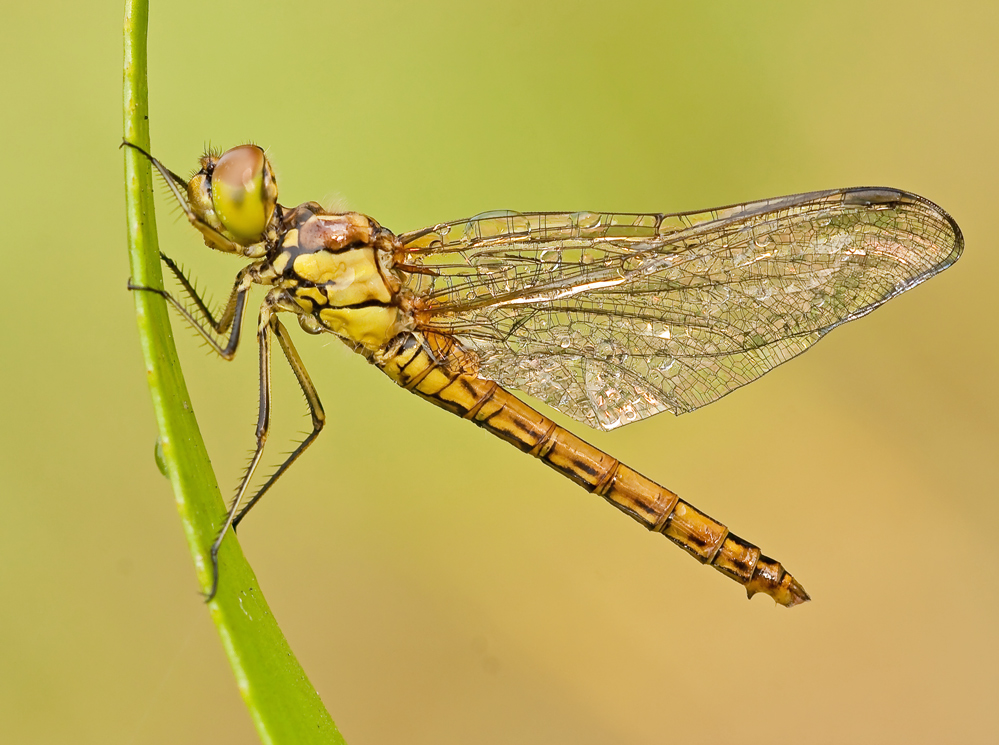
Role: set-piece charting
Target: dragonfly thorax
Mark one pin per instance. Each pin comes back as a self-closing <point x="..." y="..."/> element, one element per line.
<point x="337" y="270"/>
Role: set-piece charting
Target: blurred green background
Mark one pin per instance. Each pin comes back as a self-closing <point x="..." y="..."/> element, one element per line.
<point x="427" y="574"/>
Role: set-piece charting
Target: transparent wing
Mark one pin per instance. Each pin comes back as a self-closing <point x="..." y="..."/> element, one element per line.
<point x="611" y="318"/>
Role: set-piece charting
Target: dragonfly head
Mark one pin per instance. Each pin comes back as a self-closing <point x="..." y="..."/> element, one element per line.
<point x="235" y="193"/>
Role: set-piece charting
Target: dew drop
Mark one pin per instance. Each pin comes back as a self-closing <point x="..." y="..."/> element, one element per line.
<point x="669" y="367"/>
<point x="763" y="242"/>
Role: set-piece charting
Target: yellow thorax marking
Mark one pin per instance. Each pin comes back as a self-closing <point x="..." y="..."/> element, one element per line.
<point x="347" y="278"/>
<point x="371" y="327"/>
<point x="313" y="293"/>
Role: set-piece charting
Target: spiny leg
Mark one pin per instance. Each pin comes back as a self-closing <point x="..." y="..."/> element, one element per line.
<point x="230" y="320"/>
<point x="265" y="327"/>
<point x="315" y="410"/>
<point x="225" y="320"/>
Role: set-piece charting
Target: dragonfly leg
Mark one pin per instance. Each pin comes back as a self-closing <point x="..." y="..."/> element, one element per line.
<point x="225" y="320"/>
<point x="267" y="327"/>
<point x="315" y="410"/>
<point x="264" y="331"/>
<point x="203" y="321"/>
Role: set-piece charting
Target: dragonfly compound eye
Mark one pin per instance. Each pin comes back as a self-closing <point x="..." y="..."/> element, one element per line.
<point x="244" y="192"/>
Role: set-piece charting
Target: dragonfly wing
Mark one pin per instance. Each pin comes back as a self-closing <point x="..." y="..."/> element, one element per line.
<point x="611" y="318"/>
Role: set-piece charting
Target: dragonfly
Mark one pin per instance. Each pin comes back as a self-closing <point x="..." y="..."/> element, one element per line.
<point x="609" y="318"/>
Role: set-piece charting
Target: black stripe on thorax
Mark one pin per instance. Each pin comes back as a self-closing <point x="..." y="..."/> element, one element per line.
<point x="362" y="304"/>
<point x="348" y="247"/>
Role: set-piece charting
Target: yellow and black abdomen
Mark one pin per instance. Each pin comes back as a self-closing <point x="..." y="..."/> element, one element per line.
<point x="434" y="371"/>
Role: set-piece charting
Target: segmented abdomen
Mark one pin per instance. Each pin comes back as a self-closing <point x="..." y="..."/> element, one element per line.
<point x="413" y="366"/>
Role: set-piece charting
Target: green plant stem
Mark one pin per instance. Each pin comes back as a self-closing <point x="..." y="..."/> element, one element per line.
<point x="283" y="704"/>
